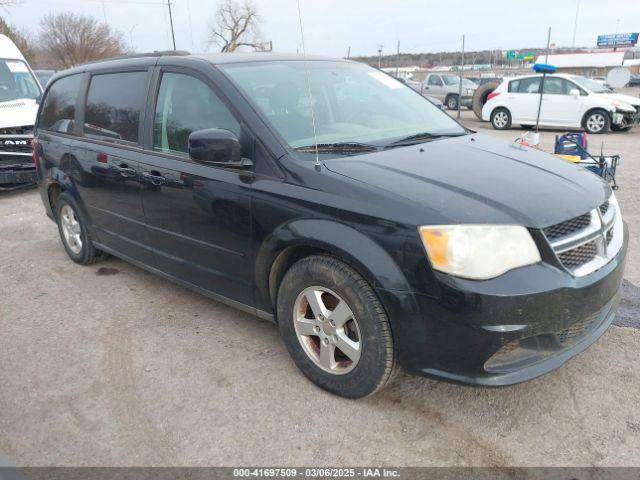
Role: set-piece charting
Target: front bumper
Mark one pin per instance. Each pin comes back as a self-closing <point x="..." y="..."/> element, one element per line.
<point x="513" y="328"/>
<point x="17" y="177"/>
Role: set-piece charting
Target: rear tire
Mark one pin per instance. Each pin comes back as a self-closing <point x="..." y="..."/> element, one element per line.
<point x="596" y="121"/>
<point x="319" y="290"/>
<point x="501" y="119"/>
<point x="72" y="227"/>
<point x="452" y="102"/>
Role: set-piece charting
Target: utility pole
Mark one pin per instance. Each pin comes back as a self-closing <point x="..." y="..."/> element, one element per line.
<point x="575" y="25"/>
<point x="349" y="52"/>
<point x="460" y="86"/>
<point x="380" y="56"/>
<point x="398" y="59"/>
<point x="173" y="36"/>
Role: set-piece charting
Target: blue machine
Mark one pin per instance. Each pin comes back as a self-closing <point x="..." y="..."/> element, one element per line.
<point x="604" y="166"/>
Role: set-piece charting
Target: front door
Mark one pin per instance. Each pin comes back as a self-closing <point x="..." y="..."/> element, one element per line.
<point x="198" y="215"/>
<point x="559" y="106"/>
<point x="434" y="87"/>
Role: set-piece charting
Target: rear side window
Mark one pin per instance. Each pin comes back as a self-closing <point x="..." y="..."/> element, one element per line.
<point x="525" y="85"/>
<point x="434" y="80"/>
<point x="114" y="103"/>
<point x="59" y="107"/>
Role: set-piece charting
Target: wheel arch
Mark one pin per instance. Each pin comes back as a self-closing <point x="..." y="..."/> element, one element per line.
<point x="592" y="110"/>
<point x="301" y="238"/>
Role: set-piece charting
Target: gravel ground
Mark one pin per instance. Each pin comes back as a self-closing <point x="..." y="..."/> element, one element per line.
<point x="110" y="365"/>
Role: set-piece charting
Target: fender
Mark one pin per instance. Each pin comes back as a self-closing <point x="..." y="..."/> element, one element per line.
<point x="355" y="248"/>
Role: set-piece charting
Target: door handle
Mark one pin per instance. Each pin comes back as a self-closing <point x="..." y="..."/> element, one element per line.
<point x="154" y="178"/>
<point x="126" y="171"/>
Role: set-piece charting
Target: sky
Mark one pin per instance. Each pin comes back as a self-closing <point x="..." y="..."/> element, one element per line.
<point x="331" y="26"/>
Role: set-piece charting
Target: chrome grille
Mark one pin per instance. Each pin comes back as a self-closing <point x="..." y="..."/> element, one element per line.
<point x="579" y="256"/>
<point x="566" y="228"/>
<point x="587" y="242"/>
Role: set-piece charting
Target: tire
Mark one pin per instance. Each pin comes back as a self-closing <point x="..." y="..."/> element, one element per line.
<point x="501" y="119"/>
<point x="73" y="232"/>
<point x="372" y="358"/>
<point x="452" y="102"/>
<point x="480" y="97"/>
<point x="596" y="121"/>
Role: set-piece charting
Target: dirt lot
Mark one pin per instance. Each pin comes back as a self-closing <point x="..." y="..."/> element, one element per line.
<point x="110" y="365"/>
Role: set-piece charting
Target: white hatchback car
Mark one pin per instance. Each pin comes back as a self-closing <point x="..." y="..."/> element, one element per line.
<point x="569" y="101"/>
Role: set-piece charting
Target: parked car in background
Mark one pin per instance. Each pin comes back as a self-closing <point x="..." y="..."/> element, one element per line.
<point x="634" y="81"/>
<point x="446" y="88"/>
<point x="44" y="76"/>
<point x="374" y="229"/>
<point x="19" y="96"/>
<point x="569" y="101"/>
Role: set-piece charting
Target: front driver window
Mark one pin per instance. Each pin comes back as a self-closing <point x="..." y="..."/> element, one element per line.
<point x="186" y="104"/>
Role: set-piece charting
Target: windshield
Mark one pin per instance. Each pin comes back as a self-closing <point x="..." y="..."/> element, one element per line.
<point x="17" y="81"/>
<point x="351" y="102"/>
<point x="595" y="87"/>
<point x="454" y="80"/>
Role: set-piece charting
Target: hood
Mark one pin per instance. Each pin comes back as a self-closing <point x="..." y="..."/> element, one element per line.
<point x="478" y="179"/>
<point x="18" y="113"/>
<point x="620" y="98"/>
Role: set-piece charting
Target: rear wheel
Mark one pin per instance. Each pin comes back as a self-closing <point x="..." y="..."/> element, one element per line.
<point x="73" y="232"/>
<point x="501" y="119"/>
<point x="335" y="328"/>
<point x="596" y="121"/>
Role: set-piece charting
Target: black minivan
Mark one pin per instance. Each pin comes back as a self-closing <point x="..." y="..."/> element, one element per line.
<point x="330" y="198"/>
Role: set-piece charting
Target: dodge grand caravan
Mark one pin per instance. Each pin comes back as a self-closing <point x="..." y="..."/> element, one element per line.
<point x="335" y="201"/>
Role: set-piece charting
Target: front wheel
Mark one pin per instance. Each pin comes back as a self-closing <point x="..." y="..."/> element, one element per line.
<point x="452" y="102"/>
<point x="597" y="121"/>
<point x="335" y="327"/>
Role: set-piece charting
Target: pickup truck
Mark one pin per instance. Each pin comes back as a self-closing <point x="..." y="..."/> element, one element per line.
<point x="446" y="88"/>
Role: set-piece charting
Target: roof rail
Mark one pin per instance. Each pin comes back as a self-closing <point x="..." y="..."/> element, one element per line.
<point x="155" y="53"/>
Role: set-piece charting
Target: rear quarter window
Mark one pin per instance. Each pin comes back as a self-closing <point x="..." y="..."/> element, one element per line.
<point x="59" y="105"/>
<point x="113" y="107"/>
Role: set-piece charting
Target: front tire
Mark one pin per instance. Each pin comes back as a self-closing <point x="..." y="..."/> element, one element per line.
<point x="596" y="121"/>
<point x="452" y="102"/>
<point x="73" y="232"/>
<point x="501" y="119"/>
<point x="335" y="327"/>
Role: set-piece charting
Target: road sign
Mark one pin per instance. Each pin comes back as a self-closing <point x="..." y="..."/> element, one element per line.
<point x="618" y="40"/>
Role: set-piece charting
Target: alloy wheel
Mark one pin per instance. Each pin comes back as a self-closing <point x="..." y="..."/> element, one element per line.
<point x="71" y="231"/>
<point x="596" y="122"/>
<point x="327" y="330"/>
<point x="500" y="119"/>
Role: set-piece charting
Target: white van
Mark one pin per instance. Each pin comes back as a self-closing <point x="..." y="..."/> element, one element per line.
<point x="20" y="94"/>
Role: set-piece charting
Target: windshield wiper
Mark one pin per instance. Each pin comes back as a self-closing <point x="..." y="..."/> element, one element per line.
<point x="419" y="137"/>
<point x="338" y="147"/>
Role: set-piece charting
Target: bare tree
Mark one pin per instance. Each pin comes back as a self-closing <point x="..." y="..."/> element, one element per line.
<point x="235" y="25"/>
<point x="69" y="39"/>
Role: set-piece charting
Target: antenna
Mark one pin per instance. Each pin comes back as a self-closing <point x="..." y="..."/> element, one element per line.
<point x="306" y="67"/>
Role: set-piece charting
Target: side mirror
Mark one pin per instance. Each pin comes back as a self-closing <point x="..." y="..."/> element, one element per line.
<point x="575" y="92"/>
<point x="216" y="146"/>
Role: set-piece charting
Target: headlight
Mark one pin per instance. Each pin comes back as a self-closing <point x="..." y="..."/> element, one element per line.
<point x="478" y="252"/>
